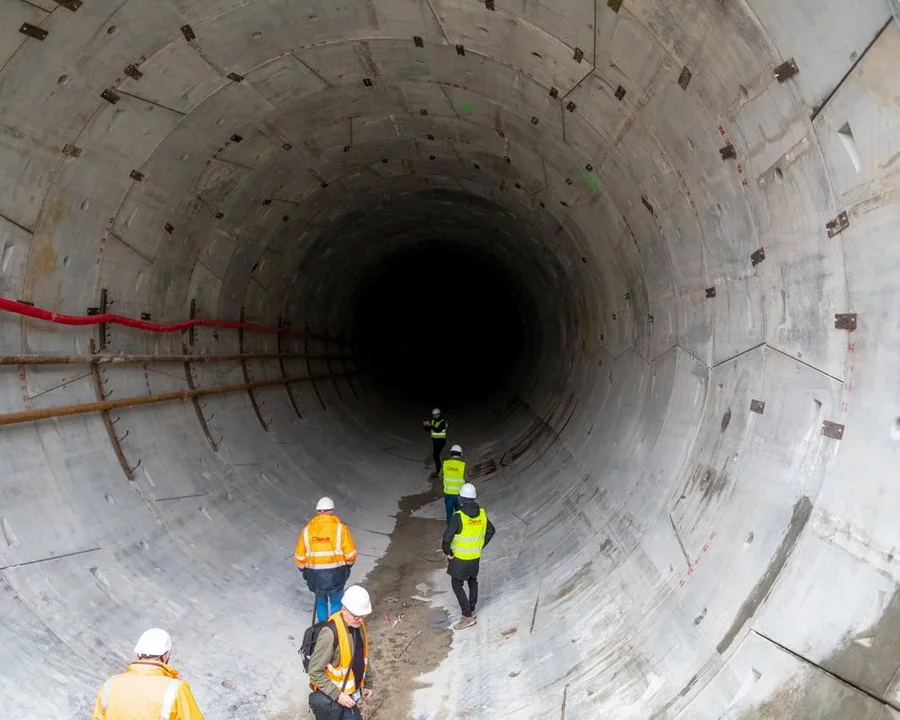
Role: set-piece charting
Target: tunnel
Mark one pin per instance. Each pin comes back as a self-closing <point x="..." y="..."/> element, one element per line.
<point x="642" y="255"/>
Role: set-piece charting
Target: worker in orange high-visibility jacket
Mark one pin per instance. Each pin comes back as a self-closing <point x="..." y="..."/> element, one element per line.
<point x="325" y="555"/>
<point x="150" y="689"/>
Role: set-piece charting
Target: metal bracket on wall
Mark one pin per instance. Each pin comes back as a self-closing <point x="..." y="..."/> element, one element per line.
<point x="838" y="224"/>
<point x="728" y="152"/>
<point x="757" y="257"/>
<point x="845" y="321"/>
<point x="72" y="5"/>
<point x="832" y="430"/>
<point x="101" y="310"/>
<point x="614" y="5"/>
<point x="757" y="406"/>
<point x="132" y="72"/>
<point x="786" y="71"/>
<point x="685" y="78"/>
<point x="33" y="31"/>
<point x="710" y="292"/>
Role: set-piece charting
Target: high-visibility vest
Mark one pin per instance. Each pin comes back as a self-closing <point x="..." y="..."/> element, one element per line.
<point x="325" y="543"/>
<point x="438" y="428"/>
<point x="467" y="543"/>
<point x="454" y="476"/>
<point x="150" y="690"/>
<point x="344" y="668"/>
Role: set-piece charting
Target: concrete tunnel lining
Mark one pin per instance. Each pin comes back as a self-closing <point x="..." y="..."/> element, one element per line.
<point x="676" y="535"/>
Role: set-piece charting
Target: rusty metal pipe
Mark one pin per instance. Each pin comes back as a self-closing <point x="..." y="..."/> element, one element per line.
<point x="106" y="405"/>
<point x="126" y="359"/>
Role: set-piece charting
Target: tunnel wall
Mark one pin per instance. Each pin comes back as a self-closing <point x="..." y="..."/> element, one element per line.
<point x="749" y="565"/>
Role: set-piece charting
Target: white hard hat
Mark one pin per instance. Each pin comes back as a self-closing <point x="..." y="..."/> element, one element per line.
<point x="468" y="491"/>
<point x="325" y="503"/>
<point x="356" y="600"/>
<point x="436" y="411"/>
<point x="456" y="449"/>
<point x="154" y="642"/>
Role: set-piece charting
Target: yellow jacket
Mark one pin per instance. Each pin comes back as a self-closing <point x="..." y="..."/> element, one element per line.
<point x="149" y="690"/>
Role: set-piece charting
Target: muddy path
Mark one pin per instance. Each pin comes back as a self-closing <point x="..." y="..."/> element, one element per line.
<point x="407" y="637"/>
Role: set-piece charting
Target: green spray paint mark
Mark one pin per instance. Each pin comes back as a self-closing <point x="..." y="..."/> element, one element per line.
<point x="466" y="108"/>
<point x="593" y="182"/>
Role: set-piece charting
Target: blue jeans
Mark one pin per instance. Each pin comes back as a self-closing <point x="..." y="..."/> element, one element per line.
<point x="328" y="603"/>
<point x="451" y="504"/>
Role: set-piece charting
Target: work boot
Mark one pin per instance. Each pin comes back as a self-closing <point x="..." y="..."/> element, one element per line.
<point x="464" y="622"/>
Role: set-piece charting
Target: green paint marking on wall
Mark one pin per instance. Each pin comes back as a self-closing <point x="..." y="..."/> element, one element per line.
<point x="593" y="182"/>
<point x="466" y="108"/>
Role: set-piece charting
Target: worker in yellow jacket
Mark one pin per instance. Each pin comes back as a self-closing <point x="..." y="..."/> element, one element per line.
<point x="150" y="689"/>
<point x="325" y="555"/>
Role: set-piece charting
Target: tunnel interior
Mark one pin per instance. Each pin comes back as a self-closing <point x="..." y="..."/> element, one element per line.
<point x="642" y="254"/>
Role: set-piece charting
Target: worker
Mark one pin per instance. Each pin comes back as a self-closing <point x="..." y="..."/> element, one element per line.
<point x="467" y="534"/>
<point x="150" y="689"/>
<point x="437" y="426"/>
<point x="454" y="472"/>
<point x="340" y="673"/>
<point x="325" y="555"/>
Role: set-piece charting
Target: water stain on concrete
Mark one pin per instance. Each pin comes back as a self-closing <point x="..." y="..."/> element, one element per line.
<point x="582" y="578"/>
<point x="799" y="518"/>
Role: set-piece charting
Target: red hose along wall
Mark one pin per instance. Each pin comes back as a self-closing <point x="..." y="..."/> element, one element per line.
<point x="20" y="308"/>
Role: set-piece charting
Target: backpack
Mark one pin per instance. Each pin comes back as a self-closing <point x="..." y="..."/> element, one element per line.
<point x="310" y="635"/>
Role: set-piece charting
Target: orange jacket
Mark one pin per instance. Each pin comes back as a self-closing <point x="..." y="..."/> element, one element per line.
<point x="149" y="690"/>
<point x="325" y="543"/>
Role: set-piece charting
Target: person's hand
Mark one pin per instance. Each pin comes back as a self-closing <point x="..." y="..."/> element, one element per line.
<point x="345" y="700"/>
<point x="425" y="423"/>
<point x="367" y="693"/>
<point x="449" y="557"/>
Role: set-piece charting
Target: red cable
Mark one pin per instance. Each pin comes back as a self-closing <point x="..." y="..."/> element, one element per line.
<point x="34" y="312"/>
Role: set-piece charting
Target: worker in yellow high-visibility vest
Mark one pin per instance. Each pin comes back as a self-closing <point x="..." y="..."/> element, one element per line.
<point x="454" y="474"/>
<point x="437" y="428"/>
<point x="467" y="534"/>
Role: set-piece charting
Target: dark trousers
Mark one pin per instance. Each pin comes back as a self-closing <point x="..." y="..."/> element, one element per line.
<point x="466" y="604"/>
<point x="437" y="444"/>
<point x="324" y="708"/>
<point x="451" y="505"/>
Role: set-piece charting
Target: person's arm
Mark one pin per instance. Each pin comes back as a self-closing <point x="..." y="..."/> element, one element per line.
<point x="99" y="710"/>
<point x="300" y="551"/>
<point x="452" y="529"/>
<point x="489" y="532"/>
<point x="348" y="547"/>
<point x="185" y="706"/>
<point x="321" y="656"/>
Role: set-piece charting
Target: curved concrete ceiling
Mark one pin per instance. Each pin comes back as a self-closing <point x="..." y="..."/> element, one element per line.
<point x="679" y="527"/>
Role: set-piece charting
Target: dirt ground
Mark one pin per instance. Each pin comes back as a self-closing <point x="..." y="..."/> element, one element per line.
<point x="406" y="636"/>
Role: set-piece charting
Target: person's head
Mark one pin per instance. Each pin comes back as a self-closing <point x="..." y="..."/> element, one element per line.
<point x="325" y="506"/>
<point x="154" y="644"/>
<point x="436" y="413"/>
<point x="467" y="493"/>
<point x="456" y="451"/>
<point x="355" y="605"/>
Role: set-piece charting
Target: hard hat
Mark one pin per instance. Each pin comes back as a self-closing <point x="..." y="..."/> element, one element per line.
<point x="468" y="491"/>
<point x="154" y="642"/>
<point x="436" y="411"/>
<point x="356" y="600"/>
<point x="326" y="503"/>
<point x="456" y="449"/>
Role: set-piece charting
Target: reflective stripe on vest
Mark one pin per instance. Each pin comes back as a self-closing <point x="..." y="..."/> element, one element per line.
<point x="439" y="434"/>
<point x="454" y="476"/>
<point x="323" y="559"/>
<point x="337" y="673"/>
<point x="467" y="543"/>
<point x="169" y="699"/>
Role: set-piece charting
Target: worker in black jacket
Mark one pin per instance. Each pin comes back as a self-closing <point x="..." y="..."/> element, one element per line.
<point x="467" y="534"/>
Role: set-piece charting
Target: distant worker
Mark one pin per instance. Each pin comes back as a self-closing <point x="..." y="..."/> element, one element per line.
<point x="340" y="674"/>
<point x="150" y="689"/>
<point x="325" y="555"/>
<point x="454" y="472"/>
<point x="468" y="532"/>
<point x="437" y="426"/>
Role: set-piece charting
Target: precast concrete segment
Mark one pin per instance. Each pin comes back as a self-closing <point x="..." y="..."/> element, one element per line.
<point x="680" y="533"/>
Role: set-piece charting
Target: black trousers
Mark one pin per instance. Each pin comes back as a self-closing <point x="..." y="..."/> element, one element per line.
<point x="437" y="444"/>
<point x="466" y="604"/>
<point x="324" y="708"/>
